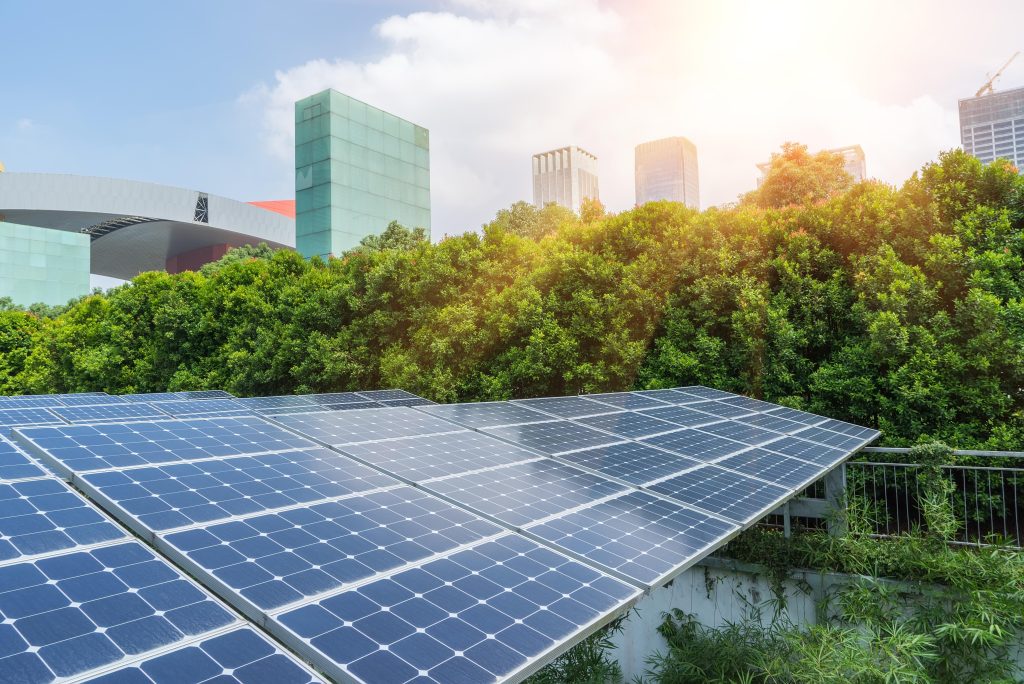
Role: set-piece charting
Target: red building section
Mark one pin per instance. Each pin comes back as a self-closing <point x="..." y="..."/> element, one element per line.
<point x="283" y="207"/>
<point x="192" y="261"/>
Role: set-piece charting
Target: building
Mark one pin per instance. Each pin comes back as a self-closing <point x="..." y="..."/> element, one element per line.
<point x="357" y="168"/>
<point x="853" y="155"/>
<point x="60" y="228"/>
<point x="992" y="126"/>
<point x="565" y="176"/>
<point x="666" y="169"/>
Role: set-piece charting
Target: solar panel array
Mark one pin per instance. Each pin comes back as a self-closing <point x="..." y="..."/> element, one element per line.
<point x="386" y="538"/>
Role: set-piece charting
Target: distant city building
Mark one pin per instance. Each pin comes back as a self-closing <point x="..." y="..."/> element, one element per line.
<point x="992" y="126"/>
<point x="357" y="169"/>
<point x="854" y="163"/>
<point x="565" y="176"/>
<point x="666" y="169"/>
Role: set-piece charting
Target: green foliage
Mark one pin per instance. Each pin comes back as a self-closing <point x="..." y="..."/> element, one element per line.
<point x="795" y="177"/>
<point x="901" y="309"/>
<point x="588" y="662"/>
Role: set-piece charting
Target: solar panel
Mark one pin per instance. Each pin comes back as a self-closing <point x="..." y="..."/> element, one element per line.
<point x="206" y="394"/>
<point x="638" y="535"/>
<point x="566" y="407"/>
<point x="705" y="392"/>
<point x="416" y="401"/>
<point x="750" y="435"/>
<point x="275" y="402"/>
<point x="629" y="424"/>
<point x="766" y="465"/>
<point x="97" y="399"/>
<point x="151" y="397"/>
<point x="334" y="398"/>
<point x="85" y="448"/>
<point x="171" y="496"/>
<point x="847" y="428"/>
<point x="27" y="402"/>
<point x="109" y="413"/>
<point x="497" y="611"/>
<point x="385" y="395"/>
<point x="682" y="416"/>
<point x="721" y="409"/>
<point x="553" y="438"/>
<point x="10" y="418"/>
<point x="695" y="444"/>
<point x="485" y="414"/>
<point x="352" y="427"/>
<point x="15" y="464"/>
<point x="722" y="492"/>
<point x="795" y="415"/>
<point x="187" y="408"/>
<point x="773" y="423"/>
<point x="838" y="440"/>
<point x="824" y="456"/>
<point x="352" y="405"/>
<point x="418" y="459"/>
<point x="638" y="464"/>
<point x="626" y="400"/>
<point x="276" y="559"/>
<point x="669" y="396"/>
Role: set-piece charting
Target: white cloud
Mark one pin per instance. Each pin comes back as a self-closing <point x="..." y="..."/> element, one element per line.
<point x="24" y="124"/>
<point x="496" y="81"/>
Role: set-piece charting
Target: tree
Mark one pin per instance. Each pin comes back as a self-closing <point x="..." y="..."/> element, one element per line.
<point x="395" y="237"/>
<point x="796" y="177"/>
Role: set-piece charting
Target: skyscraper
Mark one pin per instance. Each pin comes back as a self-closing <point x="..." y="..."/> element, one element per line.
<point x="357" y="168"/>
<point x="666" y="169"/>
<point x="853" y="161"/>
<point x="566" y="176"/>
<point x="992" y="126"/>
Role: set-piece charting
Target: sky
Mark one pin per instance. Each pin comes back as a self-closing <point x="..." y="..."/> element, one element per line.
<point x="199" y="94"/>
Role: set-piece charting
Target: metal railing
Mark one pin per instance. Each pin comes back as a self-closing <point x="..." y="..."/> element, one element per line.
<point x="986" y="501"/>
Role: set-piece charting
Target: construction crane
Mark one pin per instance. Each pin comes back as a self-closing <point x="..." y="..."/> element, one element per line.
<point x="987" y="88"/>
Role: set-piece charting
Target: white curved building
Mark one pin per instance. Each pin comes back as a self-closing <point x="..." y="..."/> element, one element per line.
<point x="131" y="226"/>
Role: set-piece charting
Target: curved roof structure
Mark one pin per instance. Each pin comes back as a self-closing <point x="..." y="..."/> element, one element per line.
<point x="137" y="226"/>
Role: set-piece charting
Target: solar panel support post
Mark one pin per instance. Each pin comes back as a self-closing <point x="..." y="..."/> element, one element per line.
<point x="835" y="500"/>
<point x="787" y="528"/>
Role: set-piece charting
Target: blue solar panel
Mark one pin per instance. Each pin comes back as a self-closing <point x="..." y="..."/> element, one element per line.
<point x="824" y="456"/>
<point x="240" y="656"/>
<point x="335" y="398"/>
<point x="44" y="515"/>
<point x="206" y="394"/>
<point x="28" y="401"/>
<point x="631" y="462"/>
<point x="98" y="399"/>
<point x="748" y="403"/>
<point x="183" y="494"/>
<point x="186" y="408"/>
<point x="15" y="464"/>
<point x="794" y="414"/>
<point x="566" y="407"/>
<point x="10" y="418"/>
<point x="272" y="560"/>
<point x="352" y="405"/>
<point x="417" y="401"/>
<point x="385" y="395"/>
<point x="481" y="615"/>
<point x="423" y="458"/>
<point x="305" y="408"/>
<point x="848" y="429"/>
<point x="669" y="396"/>
<point x="721" y="409"/>
<point x="638" y="535"/>
<point x="626" y="400"/>
<point x="109" y="413"/>
<point x="722" y="492"/>
<point x="695" y="444"/>
<point x="766" y="465"/>
<point x="84" y="448"/>
<point x="629" y="424"/>
<point x="682" y="416"/>
<point x="352" y="427"/>
<point x="486" y="414"/>
<point x="523" y="493"/>
<point x="838" y="440"/>
<point x="705" y="392"/>
<point x="773" y="423"/>
<point x="151" y="397"/>
<point x="275" y="402"/>
<point x="553" y="438"/>
<point x="750" y="435"/>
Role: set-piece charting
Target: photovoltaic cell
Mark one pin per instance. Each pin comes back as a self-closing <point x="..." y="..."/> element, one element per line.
<point x="352" y="405"/>
<point x="748" y="403"/>
<point x="773" y="422"/>
<point x="750" y="435"/>
<point x="15" y="464"/>
<point x="151" y="397"/>
<point x="705" y="392"/>
<point x="481" y="615"/>
<point x="639" y="535"/>
<point x="767" y="465"/>
<point x="721" y="409"/>
<point x="485" y="414"/>
<point x="172" y="496"/>
<point x="631" y="462"/>
<point x="187" y="408"/>
<point x="824" y="456"/>
<point x="625" y="400"/>
<point x="272" y="560"/>
<point x="415" y="401"/>
<point x="352" y="427"/>
<point x="109" y="413"/>
<point x="10" y="418"/>
<point x="734" y="496"/>
<point x="206" y="394"/>
<point x="418" y="459"/>
<point x="27" y="402"/>
<point x="553" y="438"/>
<point x="89" y="399"/>
<point x="386" y="395"/>
<point x="629" y="424"/>
<point x="566" y="407"/>
<point x="334" y="397"/>
<point x="284" y="410"/>
<point x="795" y="415"/>
<point x="682" y="416"/>
<point x="43" y="516"/>
<point x="524" y="493"/>
<point x="695" y="444"/>
<point x="828" y="438"/>
<point x="275" y="402"/>
<point x="847" y="428"/>
<point x="85" y="448"/>
<point x="669" y="396"/>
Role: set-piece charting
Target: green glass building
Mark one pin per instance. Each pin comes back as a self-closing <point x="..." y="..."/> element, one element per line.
<point x="42" y="265"/>
<point x="357" y="168"/>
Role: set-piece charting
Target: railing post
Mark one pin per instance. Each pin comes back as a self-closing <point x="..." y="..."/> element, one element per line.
<point x="835" y="498"/>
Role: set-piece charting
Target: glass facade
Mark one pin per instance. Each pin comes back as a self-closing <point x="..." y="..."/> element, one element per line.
<point x="992" y="126"/>
<point x="667" y="170"/>
<point x="357" y="168"/>
<point x="42" y="265"/>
